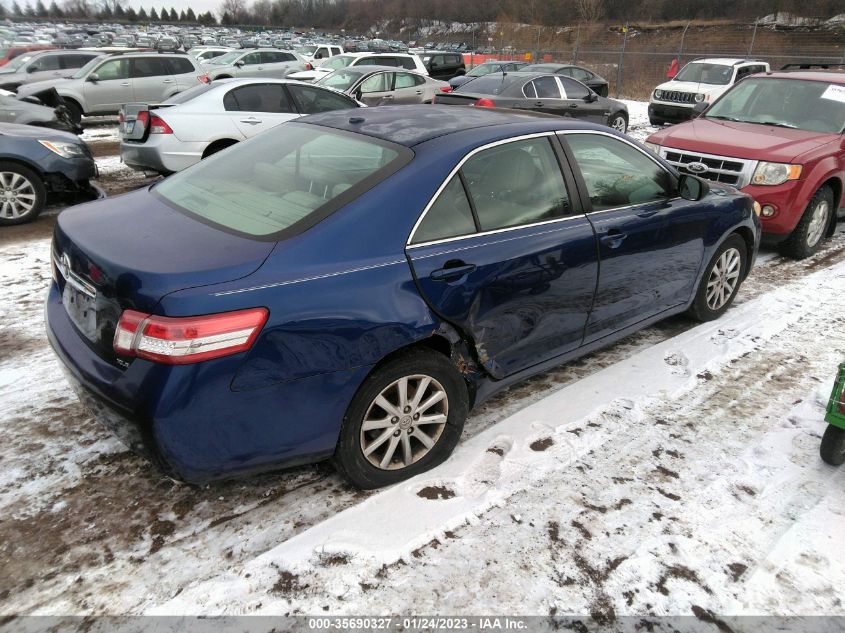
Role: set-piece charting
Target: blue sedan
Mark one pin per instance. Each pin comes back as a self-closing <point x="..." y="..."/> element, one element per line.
<point x="350" y="285"/>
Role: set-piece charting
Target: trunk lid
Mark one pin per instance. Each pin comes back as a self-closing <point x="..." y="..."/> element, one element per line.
<point x="129" y="252"/>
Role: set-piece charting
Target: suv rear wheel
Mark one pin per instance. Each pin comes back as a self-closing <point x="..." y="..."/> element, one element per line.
<point x="808" y="235"/>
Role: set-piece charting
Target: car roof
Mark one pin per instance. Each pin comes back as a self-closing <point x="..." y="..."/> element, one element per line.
<point x="725" y="61"/>
<point x="421" y="123"/>
<point x="826" y="76"/>
<point x="365" y="68"/>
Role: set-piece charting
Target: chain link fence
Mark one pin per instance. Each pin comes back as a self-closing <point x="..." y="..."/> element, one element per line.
<point x="635" y="59"/>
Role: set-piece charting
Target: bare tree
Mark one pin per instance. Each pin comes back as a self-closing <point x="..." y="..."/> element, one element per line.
<point x="235" y="8"/>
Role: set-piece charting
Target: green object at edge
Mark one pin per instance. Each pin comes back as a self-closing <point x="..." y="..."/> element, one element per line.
<point x="834" y="415"/>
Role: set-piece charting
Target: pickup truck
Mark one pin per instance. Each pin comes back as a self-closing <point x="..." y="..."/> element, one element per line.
<point x="779" y="137"/>
<point x="700" y="81"/>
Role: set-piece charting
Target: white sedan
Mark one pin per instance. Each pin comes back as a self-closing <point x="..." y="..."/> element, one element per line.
<point x="207" y="118"/>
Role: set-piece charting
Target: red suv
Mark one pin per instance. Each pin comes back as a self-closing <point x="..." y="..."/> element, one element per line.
<point x="778" y="137"/>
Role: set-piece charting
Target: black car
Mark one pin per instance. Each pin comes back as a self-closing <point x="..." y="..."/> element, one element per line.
<point x="36" y="163"/>
<point x="551" y="94"/>
<point x="587" y="77"/>
<point x="485" y="69"/>
<point x="443" y="65"/>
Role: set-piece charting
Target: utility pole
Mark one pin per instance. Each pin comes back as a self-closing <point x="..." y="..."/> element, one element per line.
<point x="621" y="59"/>
<point x="753" y="37"/>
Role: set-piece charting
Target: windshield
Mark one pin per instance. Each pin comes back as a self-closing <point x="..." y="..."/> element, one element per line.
<point x="714" y="74"/>
<point x="291" y="175"/>
<point x="337" y="62"/>
<point x="87" y="68"/>
<point x="816" y="106"/>
<point x="340" y="79"/>
<point x="306" y="50"/>
<point x="16" y="63"/>
<point x="225" y="60"/>
<point x="483" y="69"/>
<point x="191" y="93"/>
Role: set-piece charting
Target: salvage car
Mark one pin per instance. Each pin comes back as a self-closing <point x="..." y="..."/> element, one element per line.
<point x="594" y="82"/>
<point x="780" y="137"/>
<point x="37" y="164"/>
<point x="202" y="121"/>
<point x="262" y="62"/>
<point x="551" y="94"/>
<point x="349" y="285"/>
<point x="383" y="85"/>
<point x="105" y="83"/>
<point x="46" y="109"/>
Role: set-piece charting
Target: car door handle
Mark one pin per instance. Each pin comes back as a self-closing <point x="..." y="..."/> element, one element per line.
<point x="648" y="213"/>
<point x="125" y="83"/>
<point x="573" y="105"/>
<point x="448" y="273"/>
<point x="419" y="92"/>
<point x="538" y="104"/>
<point x="387" y="97"/>
<point x="614" y="238"/>
<point x="167" y="81"/>
<point x="251" y="120"/>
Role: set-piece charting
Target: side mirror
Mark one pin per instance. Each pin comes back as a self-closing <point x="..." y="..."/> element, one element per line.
<point x="692" y="188"/>
<point x="699" y="108"/>
<point x="31" y="69"/>
<point x="240" y="63"/>
<point x="591" y="97"/>
<point x="93" y="78"/>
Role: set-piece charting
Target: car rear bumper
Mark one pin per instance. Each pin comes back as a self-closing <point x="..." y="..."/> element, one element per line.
<point x="164" y="157"/>
<point x="189" y="420"/>
<point x="671" y="113"/>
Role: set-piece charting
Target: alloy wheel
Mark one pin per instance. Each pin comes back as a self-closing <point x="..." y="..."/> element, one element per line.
<point x="404" y="422"/>
<point x="17" y="195"/>
<point x="818" y="223"/>
<point x="618" y="124"/>
<point x="724" y="277"/>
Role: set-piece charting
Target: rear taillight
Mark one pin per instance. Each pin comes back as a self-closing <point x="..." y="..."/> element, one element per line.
<point x="183" y="340"/>
<point x="158" y="126"/>
<point x="308" y="67"/>
<point x="143" y="119"/>
<point x="446" y="89"/>
<point x="204" y="79"/>
<point x="485" y="103"/>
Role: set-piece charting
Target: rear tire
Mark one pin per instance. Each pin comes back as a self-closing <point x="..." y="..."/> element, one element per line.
<point x="73" y="111"/>
<point x="656" y="122"/>
<point x="22" y="194"/>
<point x="618" y="122"/>
<point x="810" y="232"/>
<point x="721" y="280"/>
<point x="403" y="440"/>
<point x="832" y="449"/>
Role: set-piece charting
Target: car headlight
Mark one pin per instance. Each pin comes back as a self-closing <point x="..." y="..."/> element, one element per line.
<point x="65" y="150"/>
<point x="699" y="97"/>
<point x="653" y="148"/>
<point x="775" y="173"/>
<point x="658" y="94"/>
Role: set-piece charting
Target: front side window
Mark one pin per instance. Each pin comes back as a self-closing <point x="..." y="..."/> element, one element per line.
<point x="379" y="82"/>
<point x="517" y="183"/>
<point x="252" y="59"/>
<point x="449" y="216"/>
<point x="290" y="177"/>
<point x="574" y="89"/>
<point x="113" y="69"/>
<point x="617" y="174"/>
<point x="339" y="79"/>
<point x="258" y="98"/>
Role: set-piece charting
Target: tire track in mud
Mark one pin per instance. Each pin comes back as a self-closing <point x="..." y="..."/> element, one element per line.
<point x="95" y="513"/>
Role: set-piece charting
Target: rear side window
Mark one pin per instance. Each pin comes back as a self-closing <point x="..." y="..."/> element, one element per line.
<point x="286" y="179"/>
<point x="407" y="80"/>
<point x="258" y="98"/>
<point x="150" y="67"/>
<point x="515" y="184"/>
<point x="407" y="62"/>
<point x="76" y="61"/>
<point x="310" y="100"/>
<point x="181" y="66"/>
<point x="617" y="174"/>
<point x="449" y="216"/>
<point x="542" y="88"/>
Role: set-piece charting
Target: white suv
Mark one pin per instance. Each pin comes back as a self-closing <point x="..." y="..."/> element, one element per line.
<point x="700" y="81"/>
<point x="398" y="60"/>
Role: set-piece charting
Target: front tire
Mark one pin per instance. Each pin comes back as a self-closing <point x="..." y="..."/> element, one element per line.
<point x="721" y="280"/>
<point x="22" y="194"/>
<point x="809" y="234"/>
<point x="73" y="111"/>
<point x="832" y="449"/>
<point x="405" y="419"/>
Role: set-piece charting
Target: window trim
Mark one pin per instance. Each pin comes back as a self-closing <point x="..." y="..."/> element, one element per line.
<point x="574" y="200"/>
<point x="586" y="203"/>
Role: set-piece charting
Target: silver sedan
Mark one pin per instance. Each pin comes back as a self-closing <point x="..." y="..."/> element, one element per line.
<point x="383" y="85"/>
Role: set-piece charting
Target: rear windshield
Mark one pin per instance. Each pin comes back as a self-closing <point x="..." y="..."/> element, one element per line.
<point x="282" y="181"/>
<point x="491" y="84"/>
<point x="191" y="93"/>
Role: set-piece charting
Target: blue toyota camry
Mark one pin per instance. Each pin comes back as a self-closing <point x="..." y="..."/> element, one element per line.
<point x="350" y="285"/>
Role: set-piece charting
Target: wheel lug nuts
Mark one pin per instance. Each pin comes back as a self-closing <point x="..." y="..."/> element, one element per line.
<point x="407" y="409"/>
<point x="410" y="430"/>
<point x="396" y="433"/>
<point x="416" y="416"/>
<point x="394" y="420"/>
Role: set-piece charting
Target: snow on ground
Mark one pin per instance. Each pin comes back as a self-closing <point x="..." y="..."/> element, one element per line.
<point x="678" y="467"/>
<point x="639" y="127"/>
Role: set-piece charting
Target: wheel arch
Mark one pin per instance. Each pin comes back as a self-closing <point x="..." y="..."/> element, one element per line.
<point x="835" y="184"/>
<point x="748" y="237"/>
<point x="217" y="145"/>
<point x="23" y="162"/>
